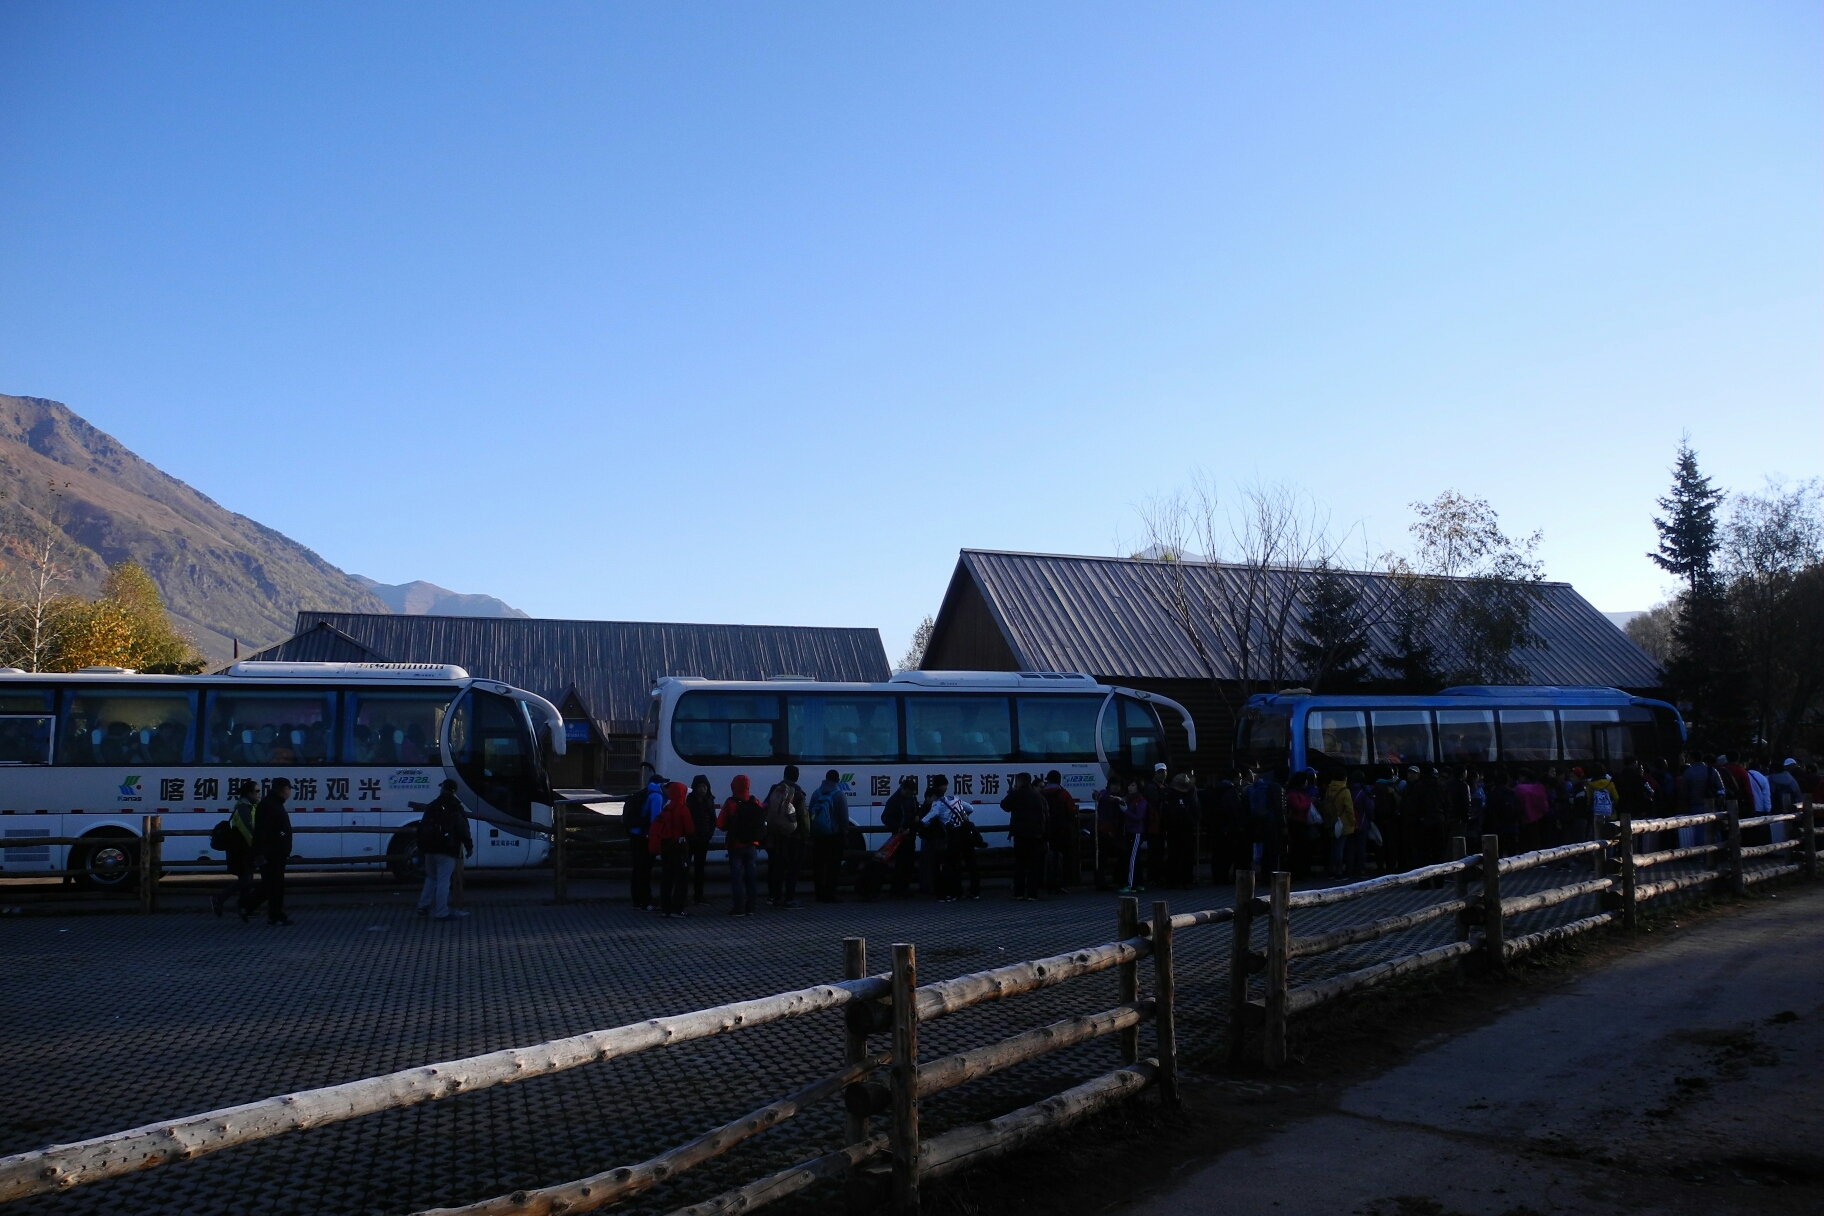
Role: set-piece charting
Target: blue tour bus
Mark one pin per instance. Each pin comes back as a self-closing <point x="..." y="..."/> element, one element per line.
<point x="1480" y="724"/>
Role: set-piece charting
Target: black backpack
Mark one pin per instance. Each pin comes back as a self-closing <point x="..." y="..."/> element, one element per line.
<point x="433" y="837"/>
<point x="748" y="824"/>
<point x="221" y="837"/>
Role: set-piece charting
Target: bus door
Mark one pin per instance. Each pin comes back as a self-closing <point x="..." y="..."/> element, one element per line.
<point x="1130" y="738"/>
<point x="491" y="748"/>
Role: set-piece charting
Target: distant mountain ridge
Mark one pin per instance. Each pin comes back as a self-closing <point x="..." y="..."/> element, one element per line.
<point x="224" y="577"/>
<point x="420" y="598"/>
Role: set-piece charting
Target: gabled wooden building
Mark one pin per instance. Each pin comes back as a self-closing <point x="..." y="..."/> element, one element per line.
<point x="1108" y="617"/>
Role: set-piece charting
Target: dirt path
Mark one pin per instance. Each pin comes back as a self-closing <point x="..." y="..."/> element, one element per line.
<point x="1684" y="1076"/>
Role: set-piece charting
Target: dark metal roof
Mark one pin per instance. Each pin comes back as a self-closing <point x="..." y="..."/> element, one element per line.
<point x="1097" y="615"/>
<point x="612" y="664"/>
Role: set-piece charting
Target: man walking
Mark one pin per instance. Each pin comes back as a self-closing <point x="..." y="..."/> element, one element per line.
<point x="828" y="810"/>
<point x="272" y="848"/>
<point x="443" y="836"/>
<point x="786" y="828"/>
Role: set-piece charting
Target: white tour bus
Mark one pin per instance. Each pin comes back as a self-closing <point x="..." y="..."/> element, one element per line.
<point x="88" y="755"/>
<point x="976" y="728"/>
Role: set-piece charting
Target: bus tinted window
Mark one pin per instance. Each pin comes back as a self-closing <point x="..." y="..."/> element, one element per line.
<point x="117" y="726"/>
<point x="269" y="726"/>
<point x="25" y="739"/>
<point x="1335" y="738"/>
<point x="395" y="727"/>
<point x="1402" y="736"/>
<point x="26" y="726"/>
<point x="829" y="726"/>
<point x="1466" y="736"/>
<point x="1528" y="735"/>
<point x="958" y="728"/>
<point x="491" y="744"/>
<point x="1598" y="734"/>
<point x="1060" y="729"/>
<point x="744" y="726"/>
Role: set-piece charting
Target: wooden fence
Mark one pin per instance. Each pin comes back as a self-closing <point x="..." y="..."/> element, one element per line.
<point x="885" y="1156"/>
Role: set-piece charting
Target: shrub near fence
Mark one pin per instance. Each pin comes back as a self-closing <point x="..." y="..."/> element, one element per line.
<point x="883" y="1117"/>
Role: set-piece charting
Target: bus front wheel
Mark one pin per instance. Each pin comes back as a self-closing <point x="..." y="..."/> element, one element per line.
<point x="403" y="858"/>
<point x="113" y="859"/>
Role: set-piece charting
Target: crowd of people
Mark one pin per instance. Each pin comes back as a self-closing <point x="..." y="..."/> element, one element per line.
<point x="1164" y="830"/>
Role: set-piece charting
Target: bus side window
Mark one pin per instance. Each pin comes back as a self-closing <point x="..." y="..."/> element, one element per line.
<point x="120" y="727"/>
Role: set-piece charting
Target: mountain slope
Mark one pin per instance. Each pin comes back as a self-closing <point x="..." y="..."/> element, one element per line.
<point x="223" y="576"/>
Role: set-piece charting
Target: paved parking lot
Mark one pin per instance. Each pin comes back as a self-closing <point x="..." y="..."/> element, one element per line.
<point x="115" y="1021"/>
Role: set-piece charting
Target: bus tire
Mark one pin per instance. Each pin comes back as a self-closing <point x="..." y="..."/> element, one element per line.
<point x="114" y="851"/>
<point x="403" y="859"/>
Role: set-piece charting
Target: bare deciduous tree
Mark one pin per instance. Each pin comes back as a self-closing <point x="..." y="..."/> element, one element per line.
<point x="35" y="612"/>
<point x="1234" y="580"/>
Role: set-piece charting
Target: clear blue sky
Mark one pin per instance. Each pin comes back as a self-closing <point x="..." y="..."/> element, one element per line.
<point x="751" y="312"/>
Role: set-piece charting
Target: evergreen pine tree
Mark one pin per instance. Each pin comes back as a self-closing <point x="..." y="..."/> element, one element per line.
<point x="1334" y="641"/>
<point x="1687" y="534"/>
<point x="1705" y="669"/>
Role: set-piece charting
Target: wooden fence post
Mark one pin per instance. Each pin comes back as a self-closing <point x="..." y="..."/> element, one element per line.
<point x="904" y="1078"/>
<point x="1736" y="885"/>
<point x="1241" y="946"/>
<point x="855" y="1045"/>
<point x="1165" y="1028"/>
<point x="1279" y="937"/>
<point x="1459" y="849"/>
<point x="1127" y="924"/>
<point x="1494" y="938"/>
<point x="1625" y="844"/>
<point x="1808" y="833"/>
<point x="560" y="861"/>
<point x="150" y="863"/>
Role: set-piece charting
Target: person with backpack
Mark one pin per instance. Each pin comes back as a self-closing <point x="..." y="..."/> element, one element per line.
<point x="669" y="840"/>
<point x="702" y="803"/>
<point x="900" y="817"/>
<point x="743" y="824"/>
<point x="961" y="840"/>
<point x="787" y="824"/>
<point x="827" y="809"/>
<point x="443" y="836"/>
<point x="1338" y="809"/>
<point x="1029" y="827"/>
<point x="234" y="836"/>
<point x="638" y="814"/>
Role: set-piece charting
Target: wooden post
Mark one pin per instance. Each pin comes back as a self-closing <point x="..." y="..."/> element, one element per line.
<point x="1494" y="938"/>
<point x="855" y="1046"/>
<point x="560" y="861"/>
<point x="1241" y="945"/>
<point x="1459" y="848"/>
<point x="1736" y="885"/>
<point x="1165" y="1027"/>
<point x="1625" y="846"/>
<point x="904" y="1078"/>
<point x="1808" y="833"/>
<point x="1279" y="939"/>
<point x="149" y="863"/>
<point x="1127" y="924"/>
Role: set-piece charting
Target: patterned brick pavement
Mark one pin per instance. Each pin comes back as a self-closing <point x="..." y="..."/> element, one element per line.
<point x="121" y="1020"/>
